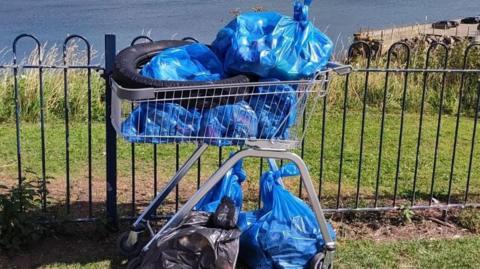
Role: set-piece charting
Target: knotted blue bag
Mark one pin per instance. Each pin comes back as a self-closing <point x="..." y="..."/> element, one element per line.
<point x="228" y="124"/>
<point x="270" y="45"/>
<point x="152" y="122"/>
<point x="190" y="62"/>
<point x="229" y="186"/>
<point x="275" y="107"/>
<point x="284" y="233"/>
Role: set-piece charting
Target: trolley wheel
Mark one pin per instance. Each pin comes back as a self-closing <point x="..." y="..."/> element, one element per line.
<point x="135" y="263"/>
<point x="128" y="244"/>
<point x="317" y="261"/>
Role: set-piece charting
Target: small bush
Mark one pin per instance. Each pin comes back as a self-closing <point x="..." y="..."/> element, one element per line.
<point x="19" y="209"/>
<point x="406" y="214"/>
<point x="469" y="218"/>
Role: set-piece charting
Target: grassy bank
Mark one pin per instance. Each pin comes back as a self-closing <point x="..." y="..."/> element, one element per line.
<point x="77" y="86"/>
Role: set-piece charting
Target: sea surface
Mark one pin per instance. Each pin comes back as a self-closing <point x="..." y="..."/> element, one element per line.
<point x="52" y="20"/>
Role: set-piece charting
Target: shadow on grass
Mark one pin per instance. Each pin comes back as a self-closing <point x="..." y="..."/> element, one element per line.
<point x="93" y="245"/>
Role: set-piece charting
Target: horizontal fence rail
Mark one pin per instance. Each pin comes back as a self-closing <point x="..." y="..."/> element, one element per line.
<point x="400" y="130"/>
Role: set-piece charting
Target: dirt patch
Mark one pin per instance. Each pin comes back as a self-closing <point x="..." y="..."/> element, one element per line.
<point x="81" y="244"/>
<point x="425" y="224"/>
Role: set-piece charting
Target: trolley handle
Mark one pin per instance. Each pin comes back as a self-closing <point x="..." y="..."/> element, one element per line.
<point x="339" y="68"/>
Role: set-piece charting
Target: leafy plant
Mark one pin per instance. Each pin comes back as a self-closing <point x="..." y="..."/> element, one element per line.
<point x="19" y="207"/>
<point x="406" y="213"/>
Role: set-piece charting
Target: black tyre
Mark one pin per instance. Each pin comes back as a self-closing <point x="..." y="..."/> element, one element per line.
<point x="127" y="250"/>
<point x="126" y="74"/>
<point x="135" y="263"/>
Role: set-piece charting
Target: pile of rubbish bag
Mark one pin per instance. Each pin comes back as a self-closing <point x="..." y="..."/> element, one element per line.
<point x="283" y="233"/>
<point x="271" y="45"/>
<point x="266" y="46"/>
<point x="202" y="241"/>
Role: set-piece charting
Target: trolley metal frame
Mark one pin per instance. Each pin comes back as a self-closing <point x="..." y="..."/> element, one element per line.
<point x="129" y="243"/>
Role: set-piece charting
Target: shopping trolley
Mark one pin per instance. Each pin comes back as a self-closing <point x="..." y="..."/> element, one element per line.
<point x="282" y="110"/>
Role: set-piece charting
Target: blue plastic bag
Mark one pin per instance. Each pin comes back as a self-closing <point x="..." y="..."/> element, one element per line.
<point x="284" y="233"/>
<point x="189" y="62"/>
<point x="229" y="186"/>
<point x="270" y="45"/>
<point x="152" y="122"/>
<point x="275" y="107"/>
<point x="228" y="124"/>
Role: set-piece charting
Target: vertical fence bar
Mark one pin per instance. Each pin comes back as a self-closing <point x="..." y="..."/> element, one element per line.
<point x="42" y="119"/>
<point x="402" y="120"/>
<point x="472" y="147"/>
<point x="302" y="150"/>
<point x="155" y="170"/>
<point x="89" y="119"/>
<point x="382" y="127"/>
<point x="67" y="128"/>
<point x="344" y="120"/>
<point x="342" y="141"/>
<point x="477" y="111"/>
<point x="199" y="171"/>
<point x="420" y="123"/>
<point x="42" y="129"/>
<point x="260" y="171"/>
<point x="455" y="138"/>
<point x="111" y="137"/>
<point x="132" y="165"/>
<point x="177" y="166"/>
<point x="322" y="147"/>
<point x="89" y="93"/>
<point x="17" y="120"/>
<point x="364" y="112"/>
<point x="220" y="156"/>
<point x="439" y="123"/>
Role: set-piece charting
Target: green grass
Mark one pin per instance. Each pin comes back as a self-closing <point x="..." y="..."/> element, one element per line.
<point x="55" y="156"/>
<point x="447" y="253"/>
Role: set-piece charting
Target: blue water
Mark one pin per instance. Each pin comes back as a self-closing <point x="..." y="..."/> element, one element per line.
<point x="53" y="20"/>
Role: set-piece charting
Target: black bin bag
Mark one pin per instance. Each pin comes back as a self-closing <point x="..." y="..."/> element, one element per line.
<point x="200" y="242"/>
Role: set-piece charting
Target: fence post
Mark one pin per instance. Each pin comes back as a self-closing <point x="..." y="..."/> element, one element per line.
<point x="111" y="137"/>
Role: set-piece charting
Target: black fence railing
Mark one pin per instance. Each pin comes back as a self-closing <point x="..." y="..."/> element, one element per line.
<point x="18" y="68"/>
<point x="399" y="130"/>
